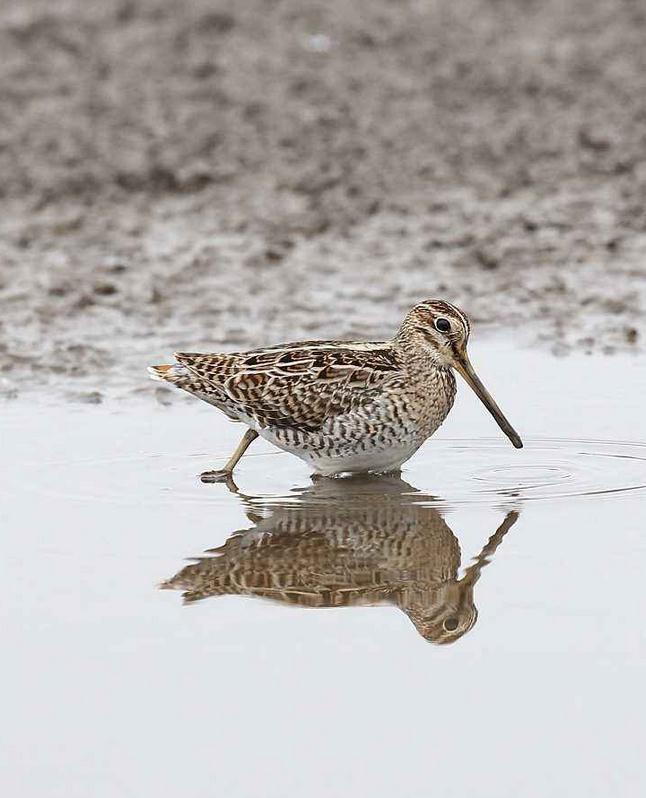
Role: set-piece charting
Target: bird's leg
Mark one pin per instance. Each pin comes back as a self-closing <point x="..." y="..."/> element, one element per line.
<point x="224" y="474"/>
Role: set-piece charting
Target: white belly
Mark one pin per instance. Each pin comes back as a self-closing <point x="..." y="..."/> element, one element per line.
<point x="375" y="460"/>
<point x="361" y="458"/>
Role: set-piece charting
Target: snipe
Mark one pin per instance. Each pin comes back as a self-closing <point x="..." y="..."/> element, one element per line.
<point x="342" y="406"/>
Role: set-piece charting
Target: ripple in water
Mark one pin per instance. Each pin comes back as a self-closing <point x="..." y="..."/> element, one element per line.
<point x="453" y="471"/>
<point x="548" y="468"/>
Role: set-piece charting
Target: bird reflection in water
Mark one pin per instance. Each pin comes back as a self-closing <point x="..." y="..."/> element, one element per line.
<point x="361" y="541"/>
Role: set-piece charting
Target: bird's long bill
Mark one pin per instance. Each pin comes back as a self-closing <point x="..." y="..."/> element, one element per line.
<point x="466" y="370"/>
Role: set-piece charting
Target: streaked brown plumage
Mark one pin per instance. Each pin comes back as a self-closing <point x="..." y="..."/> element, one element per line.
<point x="341" y="406"/>
<point x="364" y="541"/>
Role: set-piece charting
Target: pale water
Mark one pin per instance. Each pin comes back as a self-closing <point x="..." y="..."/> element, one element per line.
<point x="111" y="687"/>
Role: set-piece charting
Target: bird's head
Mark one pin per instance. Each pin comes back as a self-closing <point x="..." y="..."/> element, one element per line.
<point x="442" y="331"/>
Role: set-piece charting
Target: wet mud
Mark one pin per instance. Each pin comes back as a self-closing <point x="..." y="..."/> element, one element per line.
<point x="223" y="175"/>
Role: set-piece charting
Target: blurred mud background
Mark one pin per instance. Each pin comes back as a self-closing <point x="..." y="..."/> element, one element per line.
<point x="204" y="174"/>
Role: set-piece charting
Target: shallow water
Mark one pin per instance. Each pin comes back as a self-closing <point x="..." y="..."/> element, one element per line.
<point x="525" y="565"/>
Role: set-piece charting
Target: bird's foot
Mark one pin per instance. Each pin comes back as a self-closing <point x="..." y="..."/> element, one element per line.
<point x="223" y="475"/>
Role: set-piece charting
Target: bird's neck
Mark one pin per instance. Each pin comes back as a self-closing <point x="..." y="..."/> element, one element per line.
<point x="417" y="356"/>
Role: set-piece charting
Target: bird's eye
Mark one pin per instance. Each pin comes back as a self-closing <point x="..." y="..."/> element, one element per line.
<point x="443" y="325"/>
<point x="450" y="624"/>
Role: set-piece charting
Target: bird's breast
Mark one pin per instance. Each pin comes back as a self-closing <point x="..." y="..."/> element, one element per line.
<point x="429" y="398"/>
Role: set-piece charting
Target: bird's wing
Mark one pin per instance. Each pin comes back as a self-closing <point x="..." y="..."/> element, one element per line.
<point x="298" y="385"/>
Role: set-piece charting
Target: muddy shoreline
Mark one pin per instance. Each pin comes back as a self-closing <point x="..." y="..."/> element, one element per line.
<point x="226" y="175"/>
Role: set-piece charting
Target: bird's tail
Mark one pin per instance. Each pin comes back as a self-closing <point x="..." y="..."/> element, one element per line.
<point x="201" y="579"/>
<point x="174" y="374"/>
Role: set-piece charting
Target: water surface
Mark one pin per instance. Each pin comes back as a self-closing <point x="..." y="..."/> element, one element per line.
<point x="471" y="628"/>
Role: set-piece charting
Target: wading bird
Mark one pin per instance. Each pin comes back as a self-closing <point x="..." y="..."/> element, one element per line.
<point x="342" y="406"/>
